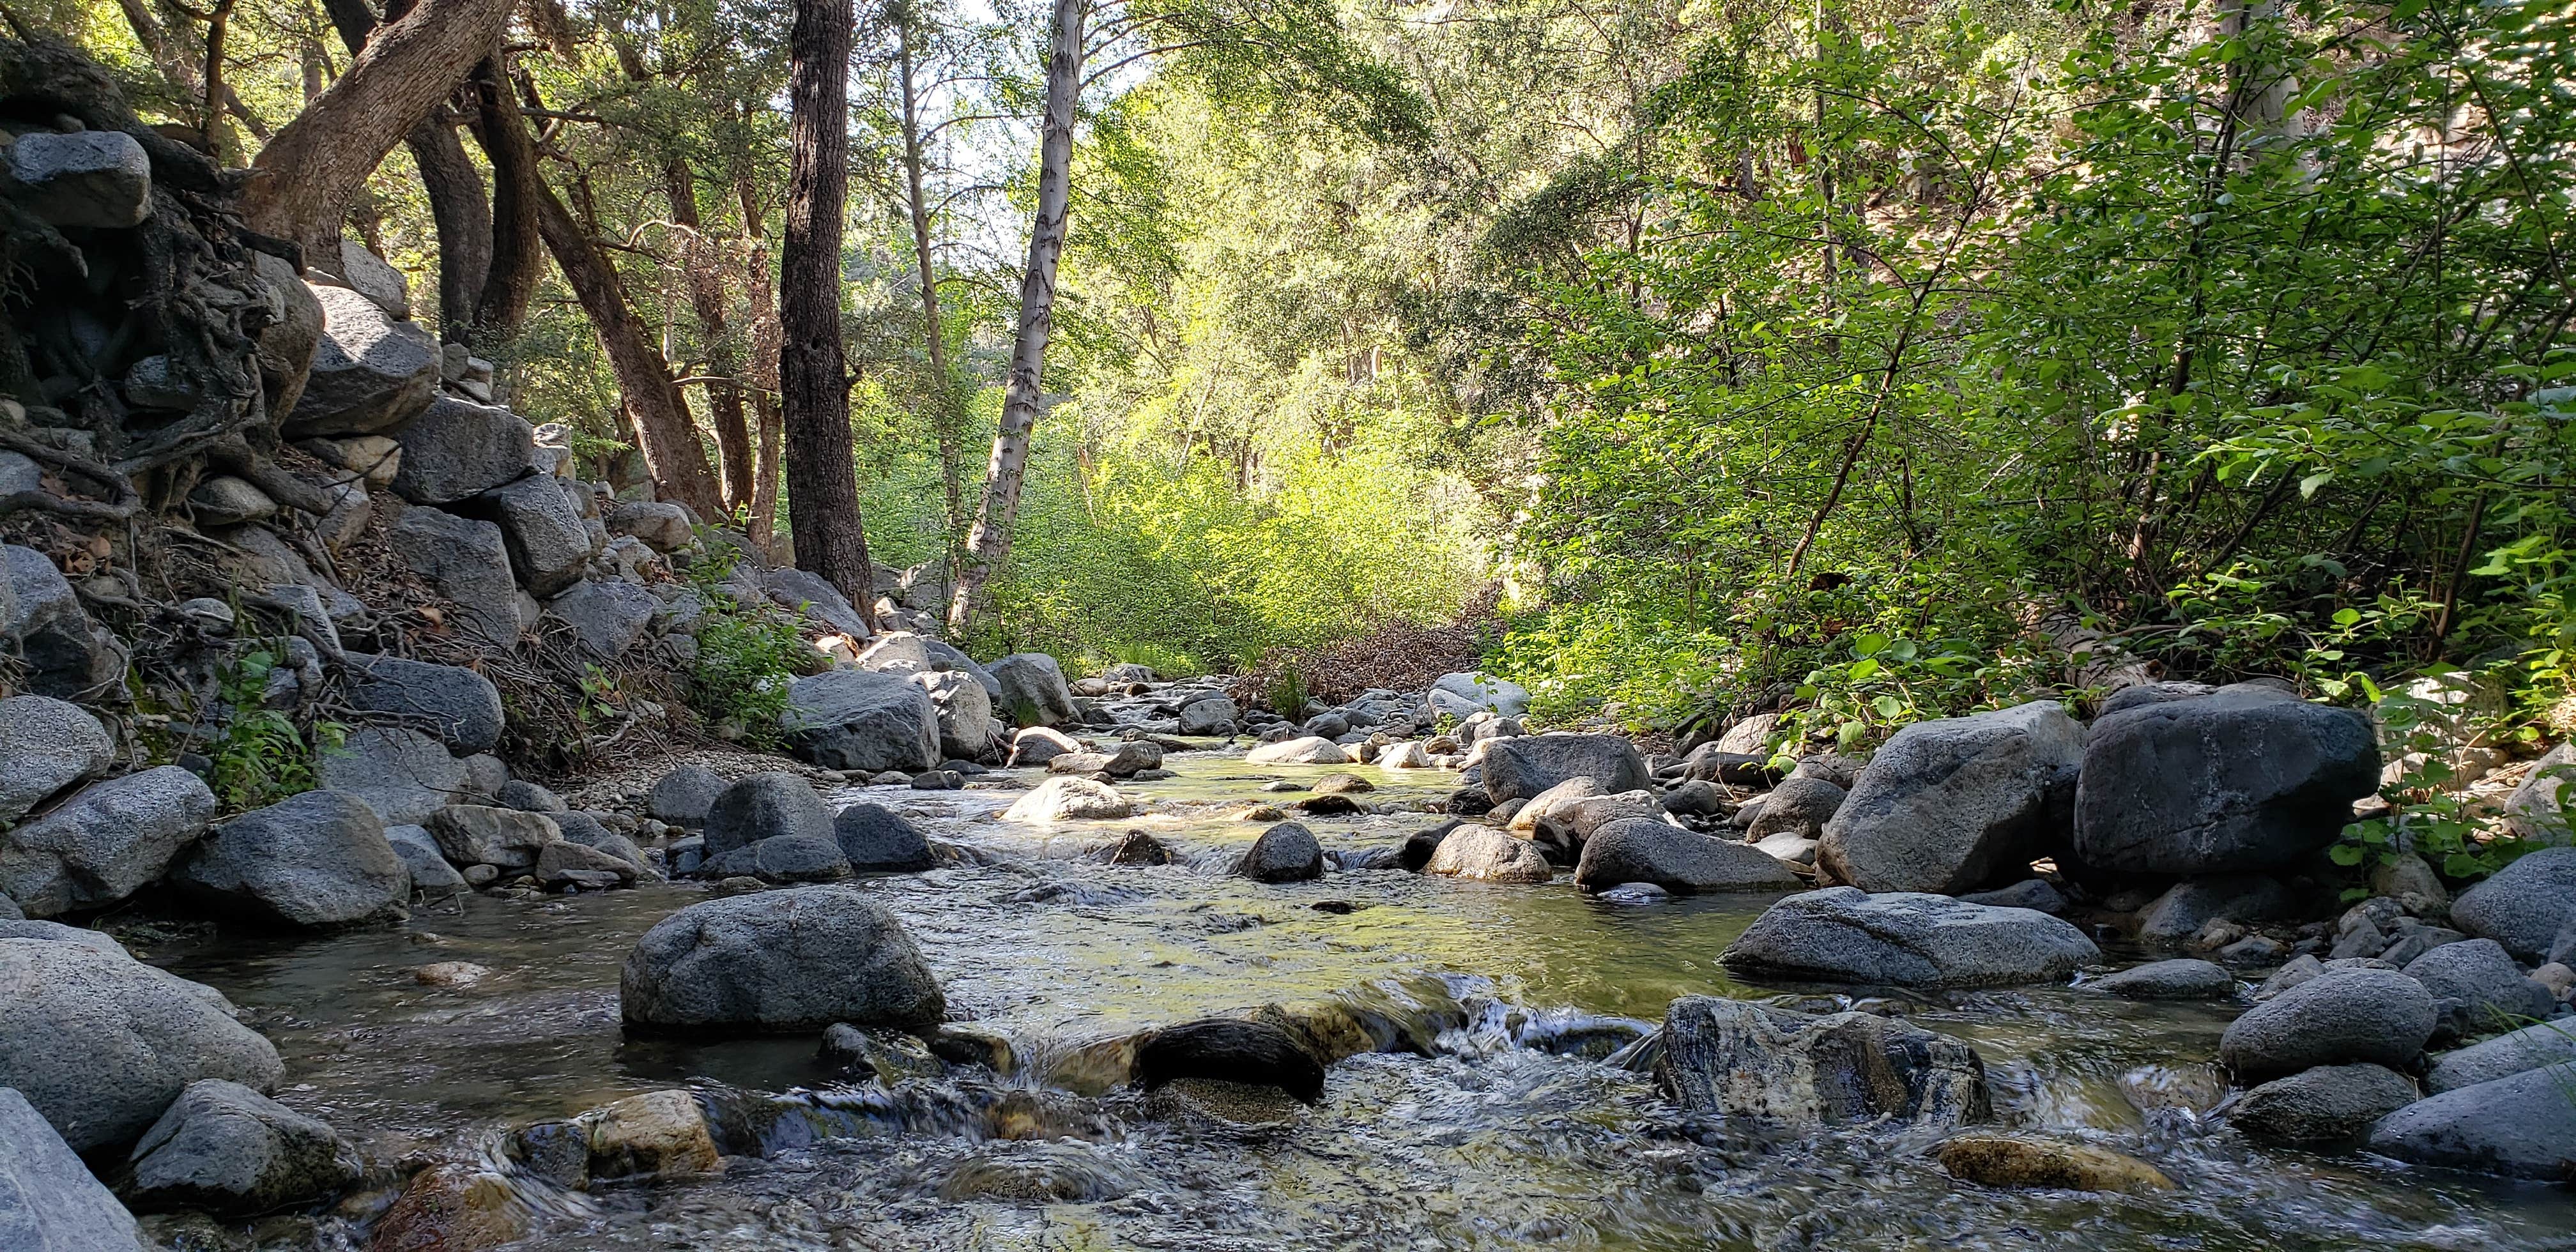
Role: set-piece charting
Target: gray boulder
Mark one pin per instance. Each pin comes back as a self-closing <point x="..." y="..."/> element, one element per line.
<point x="2338" y="1017"/>
<point x="1303" y="750"/>
<point x="457" y="449"/>
<point x="528" y="797"/>
<point x="813" y="596"/>
<point x="2140" y="695"/>
<point x="1798" y="806"/>
<point x="1743" y="1059"/>
<point x="474" y="834"/>
<point x="779" y="961"/>
<point x="967" y="729"/>
<point x="2326" y="1105"/>
<point x="225" y="1148"/>
<point x="1517" y="769"/>
<point x="1040" y="745"/>
<point x="99" y="179"/>
<point x="764" y="806"/>
<point x="548" y="543"/>
<point x="105" y="843"/>
<point x="404" y="775"/>
<point x="853" y="719"/>
<point x="2188" y="907"/>
<point x="1033" y="690"/>
<point x="783" y="859"/>
<point x="1473" y="693"/>
<point x="2534" y="811"/>
<point x="1484" y="854"/>
<point x="2029" y="893"/>
<point x="315" y="860"/>
<point x="49" y="745"/>
<point x="370" y="373"/>
<point x="945" y="656"/>
<point x="876" y="839"/>
<point x="2169" y="980"/>
<point x="607" y="615"/>
<point x="1950" y="805"/>
<point x="2523" y="906"/>
<point x="467" y="562"/>
<point x="683" y="796"/>
<point x="1210" y="715"/>
<point x="663" y="527"/>
<point x="430" y="873"/>
<point x="65" y="654"/>
<point x="1845" y="935"/>
<point x="1286" y="852"/>
<point x="2478" y="989"/>
<point x="1645" y="849"/>
<point x="2521" y="1126"/>
<point x="101" y="1043"/>
<point x="456" y="704"/>
<point x="2247" y="778"/>
<point x="49" y="1201"/>
<point x="2533" y="1046"/>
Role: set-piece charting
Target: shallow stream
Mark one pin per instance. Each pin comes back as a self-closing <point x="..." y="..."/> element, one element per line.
<point x="1508" y="1134"/>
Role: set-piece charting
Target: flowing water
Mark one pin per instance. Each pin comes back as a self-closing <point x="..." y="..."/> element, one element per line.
<point x="1497" y="1127"/>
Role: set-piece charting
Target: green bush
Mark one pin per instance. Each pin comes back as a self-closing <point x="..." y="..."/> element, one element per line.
<point x="260" y="756"/>
<point x="747" y="657"/>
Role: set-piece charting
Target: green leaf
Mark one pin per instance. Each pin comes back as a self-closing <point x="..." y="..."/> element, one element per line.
<point x="1863" y="668"/>
<point x="1888" y="707"/>
<point x="2344" y="854"/>
<point x="1868" y="645"/>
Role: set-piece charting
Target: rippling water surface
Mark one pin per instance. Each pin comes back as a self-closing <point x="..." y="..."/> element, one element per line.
<point x="1488" y="1142"/>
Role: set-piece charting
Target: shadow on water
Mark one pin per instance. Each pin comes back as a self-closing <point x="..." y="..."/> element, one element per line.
<point x="1493" y="1123"/>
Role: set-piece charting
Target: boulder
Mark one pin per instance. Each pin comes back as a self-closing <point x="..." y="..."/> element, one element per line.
<point x="457" y="449"/>
<point x="2029" y="893"/>
<point x="2188" y="907"/>
<point x="1231" y="1050"/>
<point x="1709" y="763"/>
<point x="1485" y="854"/>
<point x="2522" y="1126"/>
<point x="1306" y="750"/>
<point x="1286" y="852"/>
<point x="1798" y="806"/>
<point x="104" y="844"/>
<point x="49" y="745"/>
<point x="1211" y="715"/>
<point x="548" y="542"/>
<point x="2169" y="980"/>
<point x="852" y="719"/>
<point x="1845" y="935"/>
<point x="2326" y="1105"/>
<point x="473" y="834"/>
<point x="100" y="179"/>
<point x="404" y="775"/>
<point x="2536" y="810"/>
<point x="1743" y="1059"/>
<point x="418" y="850"/>
<point x="816" y="600"/>
<point x="878" y="840"/>
<point x="607" y="615"/>
<point x="101" y="1043"/>
<point x="568" y="864"/>
<point x="2478" y="989"/>
<point x="370" y="373"/>
<point x="1039" y="745"/>
<point x="1473" y="692"/>
<point x="660" y="1134"/>
<point x="1950" y="805"/>
<point x="2523" y="906"/>
<point x="467" y="562"/>
<point x="65" y="654"/>
<point x="2339" y="1017"/>
<point x="2533" y="1046"/>
<point x="2140" y="695"/>
<point x="2247" y="778"/>
<point x="967" y="729"/>
<point x="1523" y="767"/>
<point x="49" y="1201"/>
<point x="1645" y="849"/>
<point x="225" y="1148"/>
<point x="779" y="961"/>
<point x="1068" y="797"/>
<point x="528" y="797"/>
<point x="315" y="860"/>
<point x="228" y="501"/>
<point x="2014" y="1161"/>
<point x="783" y="859"/>
<point x="663" y="527"/>
<point x="456" y="704"/>
<point x="1033" y="690"/>
<point x="683" y="796"/>
<point x="764" y="806"/>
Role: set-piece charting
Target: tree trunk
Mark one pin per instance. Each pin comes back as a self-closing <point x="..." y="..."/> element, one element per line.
<point x="663" y="431"/>
<point x="988" y="546"/>
<point x="943" y="397"/>
<point x="760" y="366"/>
<point x="303" y="180"/>
<point x="452" y="185"/>
<point x="723" y="365"/>
<point x="501" y="130"/>
<point x="813" y="378"/>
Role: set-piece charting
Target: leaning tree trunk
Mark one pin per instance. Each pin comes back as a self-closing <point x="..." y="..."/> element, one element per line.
<point x="304" y="179"/>
<point x="510" y="285"/>
<point x="813" y="376"/>
<point x="723" y="367"/>
<point x="988" y="545"/>
<point x="454" y="188"/>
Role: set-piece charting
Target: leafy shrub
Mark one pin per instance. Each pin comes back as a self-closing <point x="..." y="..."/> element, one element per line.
<point x="747" y="656"/>
<point x="260" y="756"/>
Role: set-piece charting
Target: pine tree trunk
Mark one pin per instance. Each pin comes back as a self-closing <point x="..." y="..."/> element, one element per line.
<point x="988" y="546"/>
<point x="813" y="377"/>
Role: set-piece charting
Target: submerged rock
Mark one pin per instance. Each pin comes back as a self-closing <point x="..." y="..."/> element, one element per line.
<point x="49" y="1201"/>
<point x="1286" y="852"/>
<point x="2012" y="1161"/>
<point x="1745" y="1059"/>
<point x="2170" y="980"/>
<point x="659" y="1134"/>
<point x="228" y="1149"/>
<point x="1906" y="939"/>
<point x="1230" y="1049"/>
<point x="793" y="960"/>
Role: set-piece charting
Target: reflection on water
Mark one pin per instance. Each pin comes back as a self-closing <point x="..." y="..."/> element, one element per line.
<point x="1481" y="1144"/>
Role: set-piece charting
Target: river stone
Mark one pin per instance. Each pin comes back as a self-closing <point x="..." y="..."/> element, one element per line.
<point x="1211" y="715"/>
<point x="370" y="374"/>
<point x="1523" y="767"/>
<point x="779" y="961"/>
<point x="1949" y="805"/>
<point x="2522" y="1126"/>
<point x="1484" y="692"/>
<point x="2247" y="778"/>
<point x="2477" y="988"/>
<point x="105" y="843"/>
<point x="2534" y="810"/>
<point x="2525" y="905"/>
<point x="1286" y="852"/>
<point x="660" y="1134"/>
<point x="2325" y="1105"/>
<point x="528" y="797"/>
<point x="1645" y="849"/>
<point x="783" y="859"/>
<point x="474" y="834"/>
<point x="1798" y="806"/>
<point x="878" y="840"/>
<point x="816" y="599"/>
<point x="2188" y="907"/>
<point x="404" y="775"/>
<point x="967" y="728"/>
<point x="460" y="706"/>
<point x="2013" y="1161"/>
<point x="1038" y="745"/>
<point x="49" y="745"/>
<point x="457" y="449"/>
<point x="2533" y="1046"/>
<point x="1743" y="1059"/>
<point x="2374" y="1015"/>
<point x="566" y="863"/>
<point x="1229" y="1049"/>
<point x="468" y="562"/>
<point x="2029" y="893"/>
<point x="764" y="806"/>
<point x="428" y="867"/>
<point x="2170" y="980"/>
<point x="607" y="615"/>
<point x="314" y="860"/>
<point x="1842" y="934"/>
<point x="225" y="1148"/>
<point x="548" y="542"/>
<point x="1485" y="854"/>
<point x="856" y="720"/>
<point x="1305" y="750"/>
<point x="49" y="1201"/>
<point x="683" y="796"/>
<point x="101" y="1043"/>
<point x="1065" y="798"/>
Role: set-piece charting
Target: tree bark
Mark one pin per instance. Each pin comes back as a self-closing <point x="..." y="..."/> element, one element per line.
<point x="453" y="186"/>
<point x="988" y="546"/>
<point x="663" y="431"/>
<point x="760" y="367"/>
<point x="510" y="283"/>
<point x="723" y="366"/>
<point x="303" y="180"/>
<point x="944" y="415"/>
<point x="813" y="377"/>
